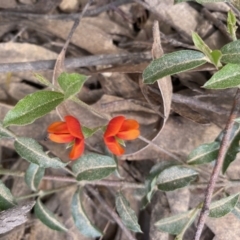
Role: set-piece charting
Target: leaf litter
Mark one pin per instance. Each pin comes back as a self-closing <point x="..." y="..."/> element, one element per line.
<point x="176" y="115"/>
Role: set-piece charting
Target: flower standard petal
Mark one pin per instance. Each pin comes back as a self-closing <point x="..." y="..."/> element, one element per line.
<point x="58" y="127"/>
<point x="113" y="145"/>
<point x="77" y="149"/>
<point x="74" y="127"/>
<point x="114" y="126"/>
<point x="129" y="124"/>
<point x="129" y="135"/>
<point x="61" y="138"/>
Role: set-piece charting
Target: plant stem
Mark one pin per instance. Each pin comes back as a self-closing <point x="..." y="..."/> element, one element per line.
<point x="42" y="193"/>
<point x="218" y="165"/>
<point x="107" y="183"/>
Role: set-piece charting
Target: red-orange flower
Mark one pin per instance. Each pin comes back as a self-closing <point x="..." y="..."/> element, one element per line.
<point x="120" y="128"/>
<point x="66" y="132"/>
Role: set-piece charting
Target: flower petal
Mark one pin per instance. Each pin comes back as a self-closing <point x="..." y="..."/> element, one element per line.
<point x="129" y="135"/>
<point x="61" y="138"/>
<point x="129" y="124"/>
<point x="58" y="127"/>
<point x="114" y="126"/>
<point x="74" y="127"/>
<point x="77" y="149"/>
<point x="114" y="146"/>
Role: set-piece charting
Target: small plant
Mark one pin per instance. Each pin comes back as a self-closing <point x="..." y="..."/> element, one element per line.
<point x="88" y="168"/>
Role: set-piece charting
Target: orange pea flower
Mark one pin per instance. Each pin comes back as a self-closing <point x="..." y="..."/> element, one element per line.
<point x="66" y="132"/>
<point x="118" y="129"/>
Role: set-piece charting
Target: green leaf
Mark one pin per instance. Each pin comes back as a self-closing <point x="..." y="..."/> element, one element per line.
<point x="227" y="77"/>
<point x="32" y="107"/>
<point x="175" y="177"/>
<point x="47" y="217"/>
<point x="224" y="206"/>
<point x="88" y="132"/>
<point x="216" y="56"/>
<point x="172" y="63"/>
<point x="213" y="57"/>
<point x="42" y="79"/>
<point x="204" y="153"/>
<point x="151" y="179"/>
<point x="93" y="166"/>
<point x="71" y="83"/>
<point x="231" y="25"/>
<point x="233" y="148"/>
<point x="33" y="176"/>
<point x="236" y="210"/>
<point x="176" y="224"/>
<point x="127" y="215"/>
<point x="30" y="150"/>
<point x="231" y="52"/>
<point x="80" y="217"/>
<point x="201" y="45"/>
<point x="6" y="197"/>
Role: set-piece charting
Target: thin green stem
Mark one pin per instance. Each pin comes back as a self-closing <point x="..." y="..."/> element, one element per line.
<point x="42" y="193"/>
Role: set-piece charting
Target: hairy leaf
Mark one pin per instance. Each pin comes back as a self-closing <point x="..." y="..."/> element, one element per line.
<point x="71" y="83"/>
<point x="42" y="79"/>
<point x="127" y="215"/>
<point x="236" y="210"/>
<point x="231" y="25"/>
<point x="176" y="224"/>
<point x="227" y="77"/>
<point x="93" y="166"/>
<point x="33" y="176"/>
<point x="172" y="63"/>
<point x="6" y="197"/>
<point x="233" y="148"/>
<point x="151" y="179"/>
<point x="224" y="206"/>
<point x="231" y="52"/>
<point x="204" y="153"/>
<point x="32" y="107"/>
<point x="81" y="220"/>
<point x="47" y="217"/>
<point x="175" y="177"/>
<point x="30" y="150"/>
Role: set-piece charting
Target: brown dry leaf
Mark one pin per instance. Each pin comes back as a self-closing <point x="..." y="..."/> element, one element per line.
<point x="217" y="7"/>
<point x="162" y="103"/>
<point x="120" y="85"/>
<point x="39" y="231"/>
<point x="160" y="210"/>
<point x="8" y="4"/>
<point x="214" y="106"/>
<point x="133" y="68"/>
<point x="225" y="228"/>
<point x="16" y="234"/>
<point x="188" y="113"/>
<point x="14" y="217"/>
<point x="22" y="52"/>
<point x="178" y="137"/>
<point x="87" y="36"/>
